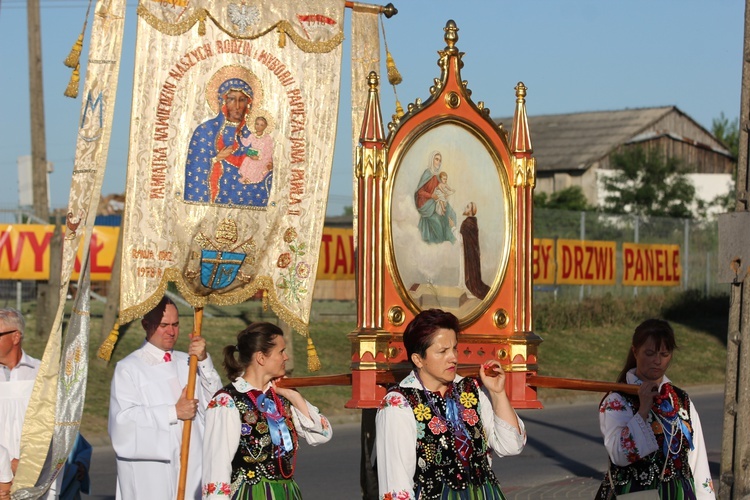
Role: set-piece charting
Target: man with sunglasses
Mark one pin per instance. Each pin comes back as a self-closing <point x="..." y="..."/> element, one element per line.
<point x="17" y="373"/>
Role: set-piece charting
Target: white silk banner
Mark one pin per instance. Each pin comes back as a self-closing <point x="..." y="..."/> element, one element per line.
<point x="232" y="137"/>
<point x="52" y="410"/>
<point x="365" y="58"/>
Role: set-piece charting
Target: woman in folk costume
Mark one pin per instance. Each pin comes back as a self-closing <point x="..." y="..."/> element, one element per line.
<point x="217" y="150"/>
<point x="654" y="440"/>
<point x="436" y="430"/>
<point x="253" y="426"/>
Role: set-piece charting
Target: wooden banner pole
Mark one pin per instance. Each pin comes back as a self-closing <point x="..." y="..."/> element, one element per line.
<point x="187" y="425"/>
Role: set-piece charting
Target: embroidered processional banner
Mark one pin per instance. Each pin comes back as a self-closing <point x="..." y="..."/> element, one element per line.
<point x="232" y="137"/>
<point x="365" y="58"/>
<point x="54" y="412"/>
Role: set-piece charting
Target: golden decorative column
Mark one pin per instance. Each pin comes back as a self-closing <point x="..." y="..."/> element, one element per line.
<point x="524" y="342"/>
<point x="369" y="340"/>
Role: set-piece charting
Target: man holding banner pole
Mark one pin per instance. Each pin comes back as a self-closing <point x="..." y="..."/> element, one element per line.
<point x="149" y="407"/>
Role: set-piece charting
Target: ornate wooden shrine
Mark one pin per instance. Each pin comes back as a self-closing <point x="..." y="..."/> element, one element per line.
<point x="444" y="213"/>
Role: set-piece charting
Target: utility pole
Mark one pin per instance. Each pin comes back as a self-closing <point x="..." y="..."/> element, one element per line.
<point x="735" y="258"/>
<point x="38" y="146"/>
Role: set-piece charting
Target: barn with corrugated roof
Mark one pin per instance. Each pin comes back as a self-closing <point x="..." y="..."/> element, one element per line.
<point x="574" y="149"/>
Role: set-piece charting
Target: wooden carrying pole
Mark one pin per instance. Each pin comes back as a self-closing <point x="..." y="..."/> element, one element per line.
<point x="187" y="425"/>
<point x="387" y="378"/>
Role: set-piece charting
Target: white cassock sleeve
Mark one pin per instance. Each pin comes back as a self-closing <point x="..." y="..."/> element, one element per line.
<point x="210" y="381"/>
<point x="6" y="473"/>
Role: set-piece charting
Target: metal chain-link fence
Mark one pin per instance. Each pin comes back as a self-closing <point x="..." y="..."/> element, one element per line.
<point x="698" y="241"/>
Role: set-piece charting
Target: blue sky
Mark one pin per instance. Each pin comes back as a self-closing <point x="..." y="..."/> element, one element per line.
<point x="573" y="55"/>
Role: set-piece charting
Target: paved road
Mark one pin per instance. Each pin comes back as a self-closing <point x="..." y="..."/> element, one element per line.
<point x="563" y="458"/>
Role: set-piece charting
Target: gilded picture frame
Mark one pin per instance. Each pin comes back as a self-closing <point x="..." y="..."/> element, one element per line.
<point x="449" y="221"/>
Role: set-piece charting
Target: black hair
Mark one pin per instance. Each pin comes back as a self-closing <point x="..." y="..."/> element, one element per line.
<point x="421" y="330"/>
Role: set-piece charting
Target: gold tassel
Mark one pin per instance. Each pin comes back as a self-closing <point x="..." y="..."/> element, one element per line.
<point x="399" y="109"/>
<point x="105" y="350"/>
<point x="264" y="300"/>
<point x="394" y="77"/>
<point x="282" y="37"/>
<point x="72" y="88"/>
<point x="75" y="53"/>
<point x="313" y="361"/>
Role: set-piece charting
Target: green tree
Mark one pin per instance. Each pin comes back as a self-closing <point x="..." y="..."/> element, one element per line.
<point x="570" y="198"/>
<point x="727" y="132"/>
<point x="646" y="183"/>
<point x="348" y="210"/>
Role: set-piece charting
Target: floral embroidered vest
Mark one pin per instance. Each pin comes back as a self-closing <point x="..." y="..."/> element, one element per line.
<point x="257" y="456"/>
<point x="644" y="472"/>
<point x="439" y="463"/>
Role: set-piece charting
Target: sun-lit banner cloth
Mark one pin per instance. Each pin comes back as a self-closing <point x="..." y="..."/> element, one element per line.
<point x="94" y="129"/>
<point x="365" y="58"/>
<point x="71" y="390"/>
<point x="232" y="138"/>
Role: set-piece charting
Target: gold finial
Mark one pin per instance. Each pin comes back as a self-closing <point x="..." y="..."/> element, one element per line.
<point x="373" y="80"/>
<point x="521" y="92"/>
<point x="451" y="33"/>
<point x="389" y="10"/>
<point x="399" y="109"/>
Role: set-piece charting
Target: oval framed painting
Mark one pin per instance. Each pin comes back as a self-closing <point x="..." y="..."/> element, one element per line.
<point x="449" y="227"/>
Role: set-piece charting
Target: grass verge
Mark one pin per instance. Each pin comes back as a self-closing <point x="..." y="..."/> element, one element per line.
<point x="586" y="340"/>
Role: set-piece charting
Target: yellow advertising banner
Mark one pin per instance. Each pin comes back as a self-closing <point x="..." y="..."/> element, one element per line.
<point x="586" y="262"/>
<point x="24" y="255"/>
<point x="543" y="261"/>
<point x="336" y="261"/>
<point x="651" y="265"/>
<point x="24" y="252"/>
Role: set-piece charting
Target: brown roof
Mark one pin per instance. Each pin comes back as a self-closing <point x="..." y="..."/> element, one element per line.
<point x="575" y="141"/>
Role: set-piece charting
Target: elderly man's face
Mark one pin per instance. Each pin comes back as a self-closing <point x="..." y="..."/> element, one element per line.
<point x="164" y="335"/>
<point x="10" y="341"/>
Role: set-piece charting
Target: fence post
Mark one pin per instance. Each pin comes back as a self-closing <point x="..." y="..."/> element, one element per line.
<point x="708" y="274"/>
<point x="636" y="238"/>
<point x="686" y="258"/>
<point x="583" y="237"/>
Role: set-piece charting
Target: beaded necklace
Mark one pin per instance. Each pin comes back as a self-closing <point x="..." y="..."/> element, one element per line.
<point x="273" y="409"/>
<point x="667" y="412"/>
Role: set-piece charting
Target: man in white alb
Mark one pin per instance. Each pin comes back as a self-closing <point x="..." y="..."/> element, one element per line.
<point x="17" y="373"/>
<point x="147" y="407"/>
